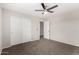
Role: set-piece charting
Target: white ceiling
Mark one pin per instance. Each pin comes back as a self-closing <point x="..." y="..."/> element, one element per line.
<point x="29" y="8"/>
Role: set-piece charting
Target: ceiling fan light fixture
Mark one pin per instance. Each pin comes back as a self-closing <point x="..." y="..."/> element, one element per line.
<point x="45" y="12"/>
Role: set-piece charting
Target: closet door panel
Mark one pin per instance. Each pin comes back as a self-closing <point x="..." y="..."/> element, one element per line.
<point x="26" y="27"/>
<point x="16" y="30"/>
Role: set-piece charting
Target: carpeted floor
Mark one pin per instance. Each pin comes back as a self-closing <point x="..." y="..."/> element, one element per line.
<point x="41" y="47"/>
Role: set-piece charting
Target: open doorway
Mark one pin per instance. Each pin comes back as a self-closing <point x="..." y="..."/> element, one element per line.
<point x="41" y="30"/>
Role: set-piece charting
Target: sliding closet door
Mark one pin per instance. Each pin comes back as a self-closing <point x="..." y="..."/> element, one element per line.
<point x="26" y="27"/>
<point x="16" y="30"/>
<point x="20" y="30"/>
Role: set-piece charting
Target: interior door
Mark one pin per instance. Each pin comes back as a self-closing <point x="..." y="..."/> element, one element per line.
<point x="16" y="30"/>
<point x="46" y="29"/>
<point x="35" y="29"/>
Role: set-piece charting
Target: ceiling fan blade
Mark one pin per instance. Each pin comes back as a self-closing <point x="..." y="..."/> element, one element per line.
<point x="43" y="5"/>
<point x="39" y="10"/>
<point x="50" y="11"/>
<point x="52" y="7"/>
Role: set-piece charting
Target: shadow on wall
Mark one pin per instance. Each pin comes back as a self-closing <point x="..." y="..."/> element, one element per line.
<point x="66" y="27"/>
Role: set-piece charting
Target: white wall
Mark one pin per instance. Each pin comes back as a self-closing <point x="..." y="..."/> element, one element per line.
<point x="6" y="35"/>
<point x="5" y="29"/>
<point x="65" y="27"/>
<point x="0" y="30"/>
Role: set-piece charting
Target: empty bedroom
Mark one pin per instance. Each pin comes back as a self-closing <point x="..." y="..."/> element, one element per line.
<point x="39" y="28"/>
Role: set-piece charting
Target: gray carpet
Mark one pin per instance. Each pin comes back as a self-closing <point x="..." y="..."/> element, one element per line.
<point x="41" y="47"/>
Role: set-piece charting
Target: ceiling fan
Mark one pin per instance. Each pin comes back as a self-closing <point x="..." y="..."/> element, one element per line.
<point x="45" y="10"/>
